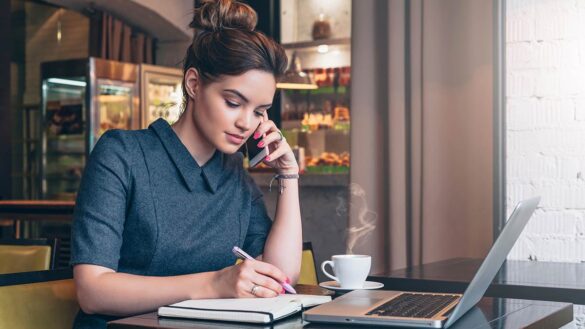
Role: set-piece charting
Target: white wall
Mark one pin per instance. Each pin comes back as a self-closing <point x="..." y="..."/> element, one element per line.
<point x="179" y="13"/>
<point x="545" y="79"/>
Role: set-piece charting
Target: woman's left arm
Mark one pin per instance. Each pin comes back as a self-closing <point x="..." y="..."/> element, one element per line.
<point x="284" y="244"/>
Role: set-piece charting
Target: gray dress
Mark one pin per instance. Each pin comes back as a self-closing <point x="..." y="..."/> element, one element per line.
<point x="146" y="207"/>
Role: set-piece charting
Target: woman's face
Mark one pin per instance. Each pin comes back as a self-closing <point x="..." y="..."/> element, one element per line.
<point x="228" y="111"/>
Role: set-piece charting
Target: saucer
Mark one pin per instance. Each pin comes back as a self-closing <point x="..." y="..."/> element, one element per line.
<point x="334" y="285"/>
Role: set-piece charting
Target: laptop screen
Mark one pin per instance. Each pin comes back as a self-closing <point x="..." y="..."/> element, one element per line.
<point x="495" y="258"/>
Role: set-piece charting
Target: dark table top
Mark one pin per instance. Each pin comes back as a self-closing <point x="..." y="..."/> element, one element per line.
<point x="489" y="313"/>
<point x="561" y="282"/>
<point x="53" y="210"/>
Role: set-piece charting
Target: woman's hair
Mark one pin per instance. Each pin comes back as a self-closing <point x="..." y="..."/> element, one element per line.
<point x="225" y="43"/>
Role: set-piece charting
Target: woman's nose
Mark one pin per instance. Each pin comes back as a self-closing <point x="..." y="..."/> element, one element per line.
<point x="244" y="121"/>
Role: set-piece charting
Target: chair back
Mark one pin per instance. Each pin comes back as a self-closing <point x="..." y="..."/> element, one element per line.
<point x="26" y="255"/>
<point x="43" y="299"/>
<point x="308" y="273"/>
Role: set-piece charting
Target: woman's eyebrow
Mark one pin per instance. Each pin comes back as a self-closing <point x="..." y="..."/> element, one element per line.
<point x="239" y="94"/>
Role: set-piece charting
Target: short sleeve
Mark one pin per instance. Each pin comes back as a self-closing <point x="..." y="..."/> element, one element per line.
<point x="100" y="208"/>
<point x="260" y="222"/>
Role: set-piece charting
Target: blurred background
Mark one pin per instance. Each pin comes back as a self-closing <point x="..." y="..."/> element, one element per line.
<point x="418" y="124"/>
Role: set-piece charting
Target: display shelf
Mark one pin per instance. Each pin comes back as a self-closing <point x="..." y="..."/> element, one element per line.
<point x="316" y="122"/>
<point x="316" y="43"/>
<point x="321" y="53"/>
<point x="327" y="90"/>
<point x="327" y="170"/>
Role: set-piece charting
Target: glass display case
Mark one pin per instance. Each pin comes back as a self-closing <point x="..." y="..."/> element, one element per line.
<point x="80" y="100"/>
<point x="315" y="114"/>
<point x="64" y="135"/>
<point x="161" y="95"/>
<point x="114" y="103"/>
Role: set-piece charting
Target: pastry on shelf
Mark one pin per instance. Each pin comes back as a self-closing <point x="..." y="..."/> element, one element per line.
<point x="329" y="159"/>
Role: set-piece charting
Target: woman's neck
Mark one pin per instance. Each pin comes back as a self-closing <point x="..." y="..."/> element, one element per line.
<point x="201" y="150"/>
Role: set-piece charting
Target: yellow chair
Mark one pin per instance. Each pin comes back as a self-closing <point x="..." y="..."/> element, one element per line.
<point x="42" y="299"/>
<point x="308" y="273"/>
<point x="26" y="255"/>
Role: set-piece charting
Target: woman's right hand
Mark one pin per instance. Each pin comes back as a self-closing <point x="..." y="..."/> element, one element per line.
<point x="238" y="280"/>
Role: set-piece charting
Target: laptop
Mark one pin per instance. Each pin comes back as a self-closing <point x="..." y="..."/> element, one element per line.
<point x="422" y="309"/>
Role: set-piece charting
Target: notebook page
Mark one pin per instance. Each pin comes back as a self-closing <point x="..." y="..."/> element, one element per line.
<point x="305" y="300"/>
<point x="254" y="304"/>
<point x="271" y="305"/>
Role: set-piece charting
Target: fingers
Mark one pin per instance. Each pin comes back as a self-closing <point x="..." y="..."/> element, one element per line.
<point x="264" y="128"/>
<point x="274" y="140"/>
<point x="277" y="146"/>
<point x="270" y="270"/>
<point x="271" y="288"/>
<point x="270" y="138"/>
<point x="265" y="276"/>
<point x="278" y="152"/>
<point x="263" y="292"/>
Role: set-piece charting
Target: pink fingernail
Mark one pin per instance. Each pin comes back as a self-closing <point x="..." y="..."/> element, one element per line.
<point x="287" y="280"/>
<point x="267" y="158"/>
<point x="256" y="135"/>
<point x="261" y="144"/>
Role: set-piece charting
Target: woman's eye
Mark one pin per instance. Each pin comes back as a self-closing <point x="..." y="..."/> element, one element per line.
<point x="260" y="114"/>
<point x="230" y="104"/>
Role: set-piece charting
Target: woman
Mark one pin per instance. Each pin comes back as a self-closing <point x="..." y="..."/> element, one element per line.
<point x="160" y="209"/>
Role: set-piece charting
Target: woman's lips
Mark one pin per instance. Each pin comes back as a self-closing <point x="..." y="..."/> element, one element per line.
<point x="235" y="139"/>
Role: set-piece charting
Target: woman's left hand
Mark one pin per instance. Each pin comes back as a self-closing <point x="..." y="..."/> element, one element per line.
<point x="281" y="156"/>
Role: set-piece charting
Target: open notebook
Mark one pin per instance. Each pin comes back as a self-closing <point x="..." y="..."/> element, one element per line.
<point x="252" y="310"/>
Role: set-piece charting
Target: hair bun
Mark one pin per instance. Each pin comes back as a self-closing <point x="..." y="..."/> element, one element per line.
<point x="215" y="15"/>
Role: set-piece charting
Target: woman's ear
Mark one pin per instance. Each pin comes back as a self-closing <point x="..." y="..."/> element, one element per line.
<point x="192" y="82"/>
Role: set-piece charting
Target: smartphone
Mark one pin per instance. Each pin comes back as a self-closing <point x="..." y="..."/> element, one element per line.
<point x="255" y="154"/>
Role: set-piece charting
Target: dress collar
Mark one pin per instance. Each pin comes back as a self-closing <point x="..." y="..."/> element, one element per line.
<point x="185" y="163"/>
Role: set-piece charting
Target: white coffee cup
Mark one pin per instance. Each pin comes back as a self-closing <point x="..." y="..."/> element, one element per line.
<point x="350" y="271"/>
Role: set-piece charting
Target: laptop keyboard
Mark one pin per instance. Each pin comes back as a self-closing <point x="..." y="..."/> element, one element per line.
<point x="409" y="305"/>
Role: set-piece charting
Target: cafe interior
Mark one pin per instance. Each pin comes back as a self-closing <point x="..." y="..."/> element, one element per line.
<point x="419" y="127"/>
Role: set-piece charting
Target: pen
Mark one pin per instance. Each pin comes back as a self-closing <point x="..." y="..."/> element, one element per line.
<point x="243" y="255"/>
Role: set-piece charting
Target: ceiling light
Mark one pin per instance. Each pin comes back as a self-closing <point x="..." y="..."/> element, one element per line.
<point x="67" y="82"/>
<point x="295" y="78"/>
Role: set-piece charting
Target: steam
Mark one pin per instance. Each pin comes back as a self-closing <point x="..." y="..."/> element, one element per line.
<point x="341" y="208"/>
<point x="366" y="217"/>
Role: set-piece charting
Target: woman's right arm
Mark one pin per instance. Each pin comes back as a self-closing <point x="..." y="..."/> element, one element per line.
<point x="104" y="291"/>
